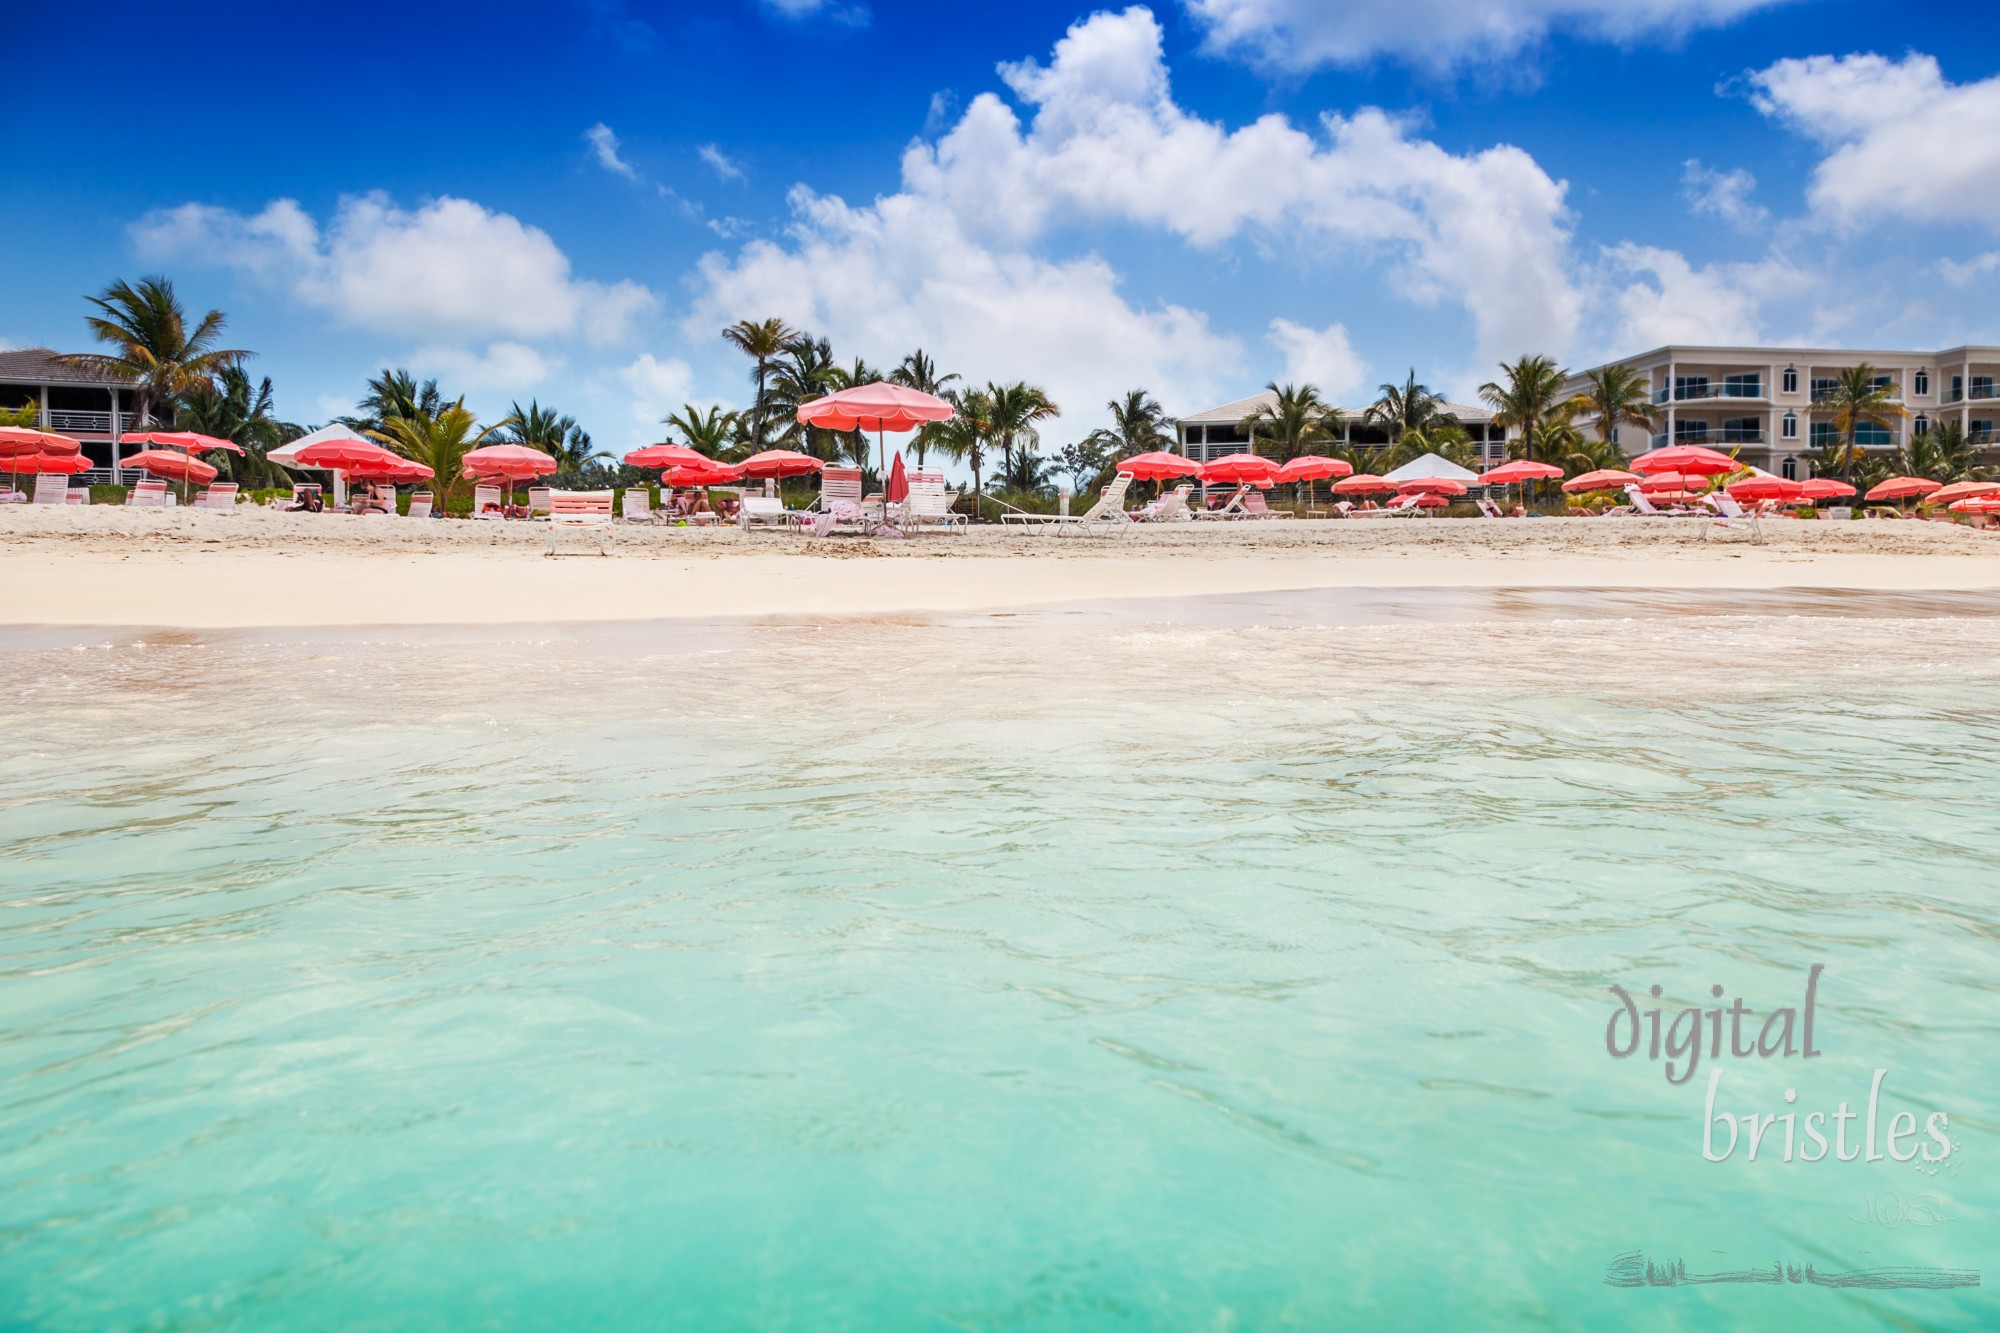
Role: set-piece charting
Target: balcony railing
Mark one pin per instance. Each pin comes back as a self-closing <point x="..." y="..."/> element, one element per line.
<point x="93" y="423"/>
<point x="1736" y="435"/>
<point x="1980" y="393"/>
<point x="1689" y="393"/>
<point x="1895" y="395"/>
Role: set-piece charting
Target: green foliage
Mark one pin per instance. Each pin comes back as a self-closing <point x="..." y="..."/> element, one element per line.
<point x="1300" y="422"/>
<point x="559" y="437"/>
<point x="151" y="345"/>
<point x="1408" y="407"/>
<point x="1613" y="396"/>
<point x="1855" y="398"/>
<point x="917" y="371"/>
<point x="440" y="442"/>
<point x="762" y="341"/>
<point x="228" y="408"/>
<point x="715" y="432"/>
<point x="1529" y="402"/>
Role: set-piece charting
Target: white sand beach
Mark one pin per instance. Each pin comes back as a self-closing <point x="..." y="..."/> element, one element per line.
<point x="256" y="568"/>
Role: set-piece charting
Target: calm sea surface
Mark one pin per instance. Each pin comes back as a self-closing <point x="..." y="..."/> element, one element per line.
<point x="1225" y="964"/>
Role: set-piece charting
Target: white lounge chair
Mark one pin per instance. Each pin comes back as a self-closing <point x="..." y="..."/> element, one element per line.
<point x="929" y="505"/>
<point x="1108" y="512"/>
<point x="768" y="510"/>
<point x="1230" y="508"/>
<point x="839" y="503"/>
<point x="51" y="488"/>
<point x="581" y="509"/>
<point x="636" y="505"/>
<point x="420" y="504"/>
<point x="221" y="495"/>
<point x="538" y="500"/>
<point x="482" y="498"/>
<point x="1487" y="509"/>
<point x="1729" y="514"/>
<point x="1171" y="507"/>
<point x="1256" y="506"/>
<point x="78" y="495"/>
<point x="148" y="495"/>
<point x="1403" y="506"/>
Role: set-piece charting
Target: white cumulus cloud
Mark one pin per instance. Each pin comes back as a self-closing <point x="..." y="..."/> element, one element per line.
<point x="1722" y="194"/>
<point x="1655" y="297"/>
<point x="656" y="389"/>
<point x="1903" y="143"/>
<point x="1439" y="34"/>
<point x="450" y="268"/>
<point x="604" y="146"/>
<point x="1487" y="231"/>
<point x="506" y="367"/>
<point x="719" y="162"/>
<point x="1320" y="357"/>
<point x="902" y="273"/>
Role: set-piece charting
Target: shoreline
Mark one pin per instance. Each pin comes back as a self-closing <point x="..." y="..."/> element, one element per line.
<point x="200" y="570"/>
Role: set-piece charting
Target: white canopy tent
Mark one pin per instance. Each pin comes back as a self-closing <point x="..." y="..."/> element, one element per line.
<point x="288" y="455"/>
<point x="1431" y="465"/>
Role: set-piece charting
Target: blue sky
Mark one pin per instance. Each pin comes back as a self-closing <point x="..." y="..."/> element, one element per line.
<point x="568" y="200"/>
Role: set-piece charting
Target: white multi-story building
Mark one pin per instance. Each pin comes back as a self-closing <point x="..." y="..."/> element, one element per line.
<point x="90" y="407"/>
<point x="1768" y="404"/>
<point x="1219" y="430"/>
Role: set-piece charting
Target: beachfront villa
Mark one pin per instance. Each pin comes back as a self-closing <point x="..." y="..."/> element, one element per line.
<point x="1219" y="430"/>
<point x="90" y="407"/>
<point x="1767" y="404"/>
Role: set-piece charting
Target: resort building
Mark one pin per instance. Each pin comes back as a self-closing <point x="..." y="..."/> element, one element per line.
<point x="89" y="407"/>
<point x="1768" y="404"/>
<point x="1220" y="430"/>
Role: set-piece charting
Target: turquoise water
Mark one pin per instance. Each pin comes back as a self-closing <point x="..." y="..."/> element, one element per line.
<point x="1234" y="964"/>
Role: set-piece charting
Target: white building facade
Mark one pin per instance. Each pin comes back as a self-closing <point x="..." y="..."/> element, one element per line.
<point x="1219" y="430"/>
<point x="1768" y="404"/>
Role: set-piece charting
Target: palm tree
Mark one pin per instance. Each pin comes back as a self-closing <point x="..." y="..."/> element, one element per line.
<point x="1614" y="395"/>
<point x="917" y="371"/>
<point x="1441" y="435"/>
<point x="1405" y="407"/>
<point x="1857" y="397"/>
<point x="1530" y="398"/>
<point x="713" y="432"/>
<point x="964" y="438"/>
<point x="392" y="394"/>
<point x="147" y="328"/>
<point x="1943" y="453"/>
<point x="762" y="341"/>
<point x="1016" y="409"/>
<point x="440" y="441"/>
<point x="1139" y="425"/>
<point x="1297" y="421"/>
<point x="228" y="408"/>
<point x="554" y="434"/>
<point x="805" y="372"/>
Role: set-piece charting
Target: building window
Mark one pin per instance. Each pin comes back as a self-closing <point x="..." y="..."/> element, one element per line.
<point x="1789" y="427"/>
<point x="1823" y="434"/>
<point x="1791" y="379"/>
<point x="1743" y="430"/>
<point x="1690" y="430"/>
<point x="1822" y="388"/>
<point x="1743" y="386"/>
<point x="1982" y="387"/>
<point x="1871" y="432"/>
<point x="1982" y="431"/>
<point x="1690" y="386"/>
<point x="1790" y="468"/>
<point x="1922" y="387"/>
<point x="1922" y="425"/>
<point x="1957" y="388"/>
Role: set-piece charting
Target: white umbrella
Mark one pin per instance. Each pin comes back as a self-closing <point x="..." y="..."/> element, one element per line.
<point x="1431" y="465"/>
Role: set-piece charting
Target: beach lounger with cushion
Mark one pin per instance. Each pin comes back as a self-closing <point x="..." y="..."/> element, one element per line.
<point x="1729" y="514"/>
<point x="581" y="509"/>
<point x="1487" y="509"/>
<point x="538" y="500"/>
<point x="839" y="503"/>
<point x="486" y="502"/>
<point x="1107" y="513"/>
<point x="1403" y="506"/>
<point x="148" y="495"/>
<point x="1255" y="506"/>
<point x="1169" y="508"/>
<point x="51" y="488"/>
<point x="1643" y="505"/>
<point x="768" y="510"/>
<point x="78" y="495"/>
<point x="1230" y="508"/>
<point x="929" y="505"/>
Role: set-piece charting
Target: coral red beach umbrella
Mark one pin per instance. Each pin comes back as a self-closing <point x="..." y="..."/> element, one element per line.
<point x="1511" y="474"/>
<point x="1433" y="500"/>
<point x="172" y="465"/>
<point x="1670" y="481"/>
<point x="1902" y="488"/>
<point x="1978" y="504"/>
<point x="780" y="463"/>
<point x="344" y="455"/>
<point x="1764" y="488"/>
<point x="1824" y="488"/>
<point x="30" y="464"/>
<point x="512" y="461"/>
<point x="1239" y="468"/>
<point x="877" y="407"/>
<point x="1364" y="483"/>
<point x="389" y="467"/>
<point x="182" y="439"/>
<point x="1159" y="465"/>
<point x="1314" y="467"/>
<point x="667" y="455"/>
<point x="1693" y="459"/>
<point x="15" y="440"/>
<point x="1439" y="486"/>
<point x="1671" y="496"/>
<point x="1604" y="479"/>
<point x="1963" y="490"/>
<point x="708" y="472"/>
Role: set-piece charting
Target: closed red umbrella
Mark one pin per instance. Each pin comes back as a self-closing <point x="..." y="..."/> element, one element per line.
<point x="1159" y="466"/>
<point x="1693" y="459"/>
<point x="171" y="465"/>
<point x="1902" y="488"/>
<point x="898" y="489"/>
<point x="1364" y="483"/>
<point x="1604" y="479"/>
